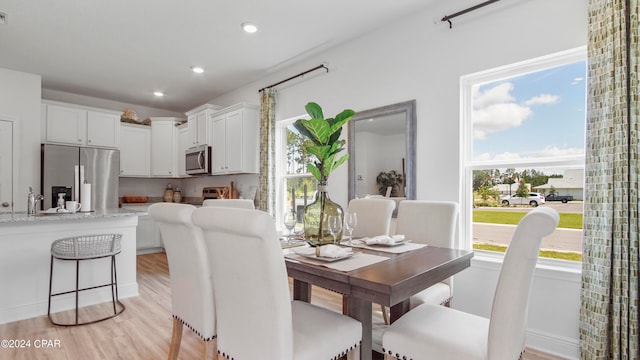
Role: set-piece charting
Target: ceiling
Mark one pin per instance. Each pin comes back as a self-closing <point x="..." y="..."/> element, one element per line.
<point x="125" y="50"/>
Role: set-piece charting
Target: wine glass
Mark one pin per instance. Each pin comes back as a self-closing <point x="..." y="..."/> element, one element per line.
<point x="289" y="219"/>
<point x="350" y="223"/>
<point x="335" y="225"/>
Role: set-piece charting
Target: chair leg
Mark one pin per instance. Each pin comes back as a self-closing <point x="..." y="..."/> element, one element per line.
<point x="345" y="305"/>
<point x="385" y="314"/>
<point x="354" y="354"/>
<point x="205" y="349"/>
<point x="176" y="338"/>
<point x="389" y="357"/>
<point x="215" y="348"/>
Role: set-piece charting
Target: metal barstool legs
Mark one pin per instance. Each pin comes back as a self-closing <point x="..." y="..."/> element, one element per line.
<point x="113" y="284"/>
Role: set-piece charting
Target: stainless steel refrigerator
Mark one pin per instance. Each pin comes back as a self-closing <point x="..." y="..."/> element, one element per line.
<point x="65" y="168"/>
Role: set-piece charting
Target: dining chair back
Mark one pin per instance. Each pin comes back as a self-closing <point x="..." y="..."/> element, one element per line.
<point x="374" y="216"/>
<point x="234" y="203"/>
<point x="255" y="317"/>
<point x="432" y="223"/>
<point x="436" y="332"/>
<point x="192" y="298"/>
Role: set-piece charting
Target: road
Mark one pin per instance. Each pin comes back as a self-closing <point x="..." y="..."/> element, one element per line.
<point x="560" y="240"/>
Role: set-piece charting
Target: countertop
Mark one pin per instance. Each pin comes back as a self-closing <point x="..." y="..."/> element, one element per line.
<point x="22" y="217"/>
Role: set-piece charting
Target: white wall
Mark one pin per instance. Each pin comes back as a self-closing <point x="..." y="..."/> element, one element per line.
<point x="421" y="58"/>
<point x="20" y="100"/>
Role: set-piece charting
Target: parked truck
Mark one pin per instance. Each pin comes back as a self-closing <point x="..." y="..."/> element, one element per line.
<point x="556" y="197"/>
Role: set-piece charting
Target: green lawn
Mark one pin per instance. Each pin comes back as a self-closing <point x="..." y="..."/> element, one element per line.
<point x="567" y="220"/>
<point x="571" y="256"/>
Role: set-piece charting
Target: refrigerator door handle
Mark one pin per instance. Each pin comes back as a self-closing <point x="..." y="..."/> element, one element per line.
<point x="76" y="183"/>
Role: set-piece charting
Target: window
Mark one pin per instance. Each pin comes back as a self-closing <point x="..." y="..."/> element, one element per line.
<point x="523" y="139"/>
<point x="295" y="187"/>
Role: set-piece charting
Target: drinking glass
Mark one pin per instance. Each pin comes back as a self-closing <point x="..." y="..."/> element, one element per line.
<point x="289" y="219"/>
<point x="335" y="225"/>
<point x="350" y="223"/>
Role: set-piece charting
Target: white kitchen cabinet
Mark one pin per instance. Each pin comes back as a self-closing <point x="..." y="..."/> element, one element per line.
<point x="235" y="139"/>
<point x="197" y="124"/>
<point x="81" y="126"/>
<point x="183" y="144"/>
<point x="135" y="150"/>
<point x="164" y="152"/>
<point x="148" y="234"/>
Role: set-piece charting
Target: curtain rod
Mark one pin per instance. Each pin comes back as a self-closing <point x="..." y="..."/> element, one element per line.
<point x="295" y="76"/>
<point x="475" y="7"/>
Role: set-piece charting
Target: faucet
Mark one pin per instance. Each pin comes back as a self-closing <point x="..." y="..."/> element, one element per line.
<point x="32" y="200"/>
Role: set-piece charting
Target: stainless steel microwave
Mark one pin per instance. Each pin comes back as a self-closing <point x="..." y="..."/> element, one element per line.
<point x="198" y="160"/>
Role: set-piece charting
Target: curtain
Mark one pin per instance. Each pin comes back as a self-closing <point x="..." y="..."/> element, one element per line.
<point x="609" y="296"/>
<point x="266" y="178"/>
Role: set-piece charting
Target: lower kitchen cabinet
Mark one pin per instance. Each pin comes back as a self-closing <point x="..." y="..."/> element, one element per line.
<point x="148" y="238"/>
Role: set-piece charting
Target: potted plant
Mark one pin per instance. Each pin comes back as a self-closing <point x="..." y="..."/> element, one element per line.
<point x="391" y="178"/>
<point x="324" y="148"/>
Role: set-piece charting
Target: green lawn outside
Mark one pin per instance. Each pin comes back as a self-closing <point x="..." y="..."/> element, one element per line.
<point x="567" y="220"/>
<point x="571" y="256"/>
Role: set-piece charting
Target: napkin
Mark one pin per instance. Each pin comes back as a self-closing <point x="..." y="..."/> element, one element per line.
<point x="57" y="211"/>
<point x="384" y="239"/>
<point x="334" y="251"/>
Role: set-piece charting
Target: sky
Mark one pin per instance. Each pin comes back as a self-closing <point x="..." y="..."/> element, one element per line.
<point x="540" y="114"/>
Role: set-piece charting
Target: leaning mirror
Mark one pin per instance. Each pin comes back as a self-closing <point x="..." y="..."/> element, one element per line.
<point x="382" y="152"/>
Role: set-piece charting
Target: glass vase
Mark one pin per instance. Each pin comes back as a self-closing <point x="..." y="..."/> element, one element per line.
<point x="316" y="229"/>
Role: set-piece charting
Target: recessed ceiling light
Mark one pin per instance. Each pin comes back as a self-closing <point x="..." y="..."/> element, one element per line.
<point x="249" y="27"/>
<point x="158" y="93"/>
<point x="197" y="69"/>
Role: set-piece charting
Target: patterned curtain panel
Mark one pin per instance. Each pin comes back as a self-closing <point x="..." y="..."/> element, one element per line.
<point x="266" y="188"/>
<point x="609" y="311"/>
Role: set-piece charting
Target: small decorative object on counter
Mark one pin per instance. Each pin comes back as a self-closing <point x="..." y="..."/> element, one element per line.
<point x="177" y="196"/>
<point x="168" y="193"/>
<point x="129" y="116"/>
<point x="32" y="200"/>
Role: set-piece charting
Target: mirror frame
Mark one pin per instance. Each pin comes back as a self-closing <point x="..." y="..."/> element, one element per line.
<point x="409" y="109"/>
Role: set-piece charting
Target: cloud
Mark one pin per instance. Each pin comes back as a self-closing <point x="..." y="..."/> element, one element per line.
<point x="549" y="151"/>
<point x="542" y="99"/>
<point x="495" y="109"/>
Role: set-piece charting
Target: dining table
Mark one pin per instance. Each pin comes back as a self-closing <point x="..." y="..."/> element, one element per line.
<point x="390" y="281"/>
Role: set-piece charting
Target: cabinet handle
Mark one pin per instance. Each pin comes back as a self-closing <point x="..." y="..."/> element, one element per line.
<point x="88" y="141"/>
<point x="5" y="204"/>
<point x="79" y="140"/>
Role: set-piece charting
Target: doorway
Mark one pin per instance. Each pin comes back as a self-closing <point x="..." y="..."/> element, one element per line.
<point x="6" y="166"/>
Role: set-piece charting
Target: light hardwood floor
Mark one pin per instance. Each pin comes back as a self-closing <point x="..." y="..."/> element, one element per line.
<point x="142" y="331"/>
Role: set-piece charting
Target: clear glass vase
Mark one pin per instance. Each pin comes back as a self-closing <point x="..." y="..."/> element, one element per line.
<point x="316" y="229"/>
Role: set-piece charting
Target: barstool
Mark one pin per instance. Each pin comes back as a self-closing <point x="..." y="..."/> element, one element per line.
<point x="87" y="248"/>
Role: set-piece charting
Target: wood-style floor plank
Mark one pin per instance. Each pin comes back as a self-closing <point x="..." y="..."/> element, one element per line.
<point x="142" y="331"/>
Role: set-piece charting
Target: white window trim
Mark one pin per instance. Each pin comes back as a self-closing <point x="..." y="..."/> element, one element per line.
<point x="467" y="165"/>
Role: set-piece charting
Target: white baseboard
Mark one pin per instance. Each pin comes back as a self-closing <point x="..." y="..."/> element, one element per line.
<point x="562" y="347"/>
<point x="65" y="302"/>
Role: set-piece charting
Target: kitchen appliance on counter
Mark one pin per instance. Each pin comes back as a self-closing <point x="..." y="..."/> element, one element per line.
<point x="212" y="192"/>
<point x="198" y="160"/>
<point x="64" y="169"/>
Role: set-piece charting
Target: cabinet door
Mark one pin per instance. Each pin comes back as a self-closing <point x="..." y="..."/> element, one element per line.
<point x="234" y="141"/>
<point x="183" y="144"/>
<point x="135" y="150"/>
<point x="66" y="125"/>
<point x="218" y="147"/>
<point x="192" y="126"/>
<point x="162" y="148"/>
<point x="201" y="128"/>
<point x="102" y="129"/>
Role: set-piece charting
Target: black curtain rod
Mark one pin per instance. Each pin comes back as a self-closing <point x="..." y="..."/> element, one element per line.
<point x="294" y="76"/>
<point x="475" y="7"/>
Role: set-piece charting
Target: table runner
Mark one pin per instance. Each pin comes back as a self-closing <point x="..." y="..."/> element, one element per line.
<point x="357" y="261"/>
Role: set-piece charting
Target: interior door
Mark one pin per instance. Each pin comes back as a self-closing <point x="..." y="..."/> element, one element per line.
<point x="6" y="166"/>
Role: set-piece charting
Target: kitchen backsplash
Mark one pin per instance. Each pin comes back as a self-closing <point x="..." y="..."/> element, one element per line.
<point x="246" y="184"/>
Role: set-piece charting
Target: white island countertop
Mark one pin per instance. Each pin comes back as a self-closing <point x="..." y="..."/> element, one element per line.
<point x="22" y="217"/>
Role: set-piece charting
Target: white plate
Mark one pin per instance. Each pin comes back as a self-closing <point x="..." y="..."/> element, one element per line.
<point x="390" y="245"/>
<point x="310" y="252"/>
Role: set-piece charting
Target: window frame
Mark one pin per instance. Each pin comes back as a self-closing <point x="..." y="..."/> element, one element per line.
<point x="468" y="165"/>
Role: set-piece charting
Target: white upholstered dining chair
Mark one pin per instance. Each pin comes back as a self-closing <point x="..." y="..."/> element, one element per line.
<point x="234" y="203"/>
<point x="437" y="332"/>
<point x="374" y="216"/>
<point x="256" y="318"/>
<point x="432" y="223"/>
<point x="192" y="299"/>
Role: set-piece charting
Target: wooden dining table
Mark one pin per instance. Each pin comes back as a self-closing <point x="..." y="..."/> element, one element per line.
<point x="390" y="282"/>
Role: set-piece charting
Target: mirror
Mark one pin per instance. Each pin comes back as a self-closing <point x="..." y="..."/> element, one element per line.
<point x="383" y="140"/>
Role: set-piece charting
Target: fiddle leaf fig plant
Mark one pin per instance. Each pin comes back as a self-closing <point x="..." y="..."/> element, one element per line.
<point x="325" y="136"/>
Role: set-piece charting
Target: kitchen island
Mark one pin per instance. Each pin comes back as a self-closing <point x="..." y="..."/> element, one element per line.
<point x="25" y="253"/>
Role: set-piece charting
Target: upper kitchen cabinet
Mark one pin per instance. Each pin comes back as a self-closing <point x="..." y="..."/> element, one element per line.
<point x="197" y="124"/>
<point x="184" y="142"/>
<point x="81" y="126"/>
<point x="164" y="162"/>
<point x="135" y="150"/>
<point x="235" y="139"/>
